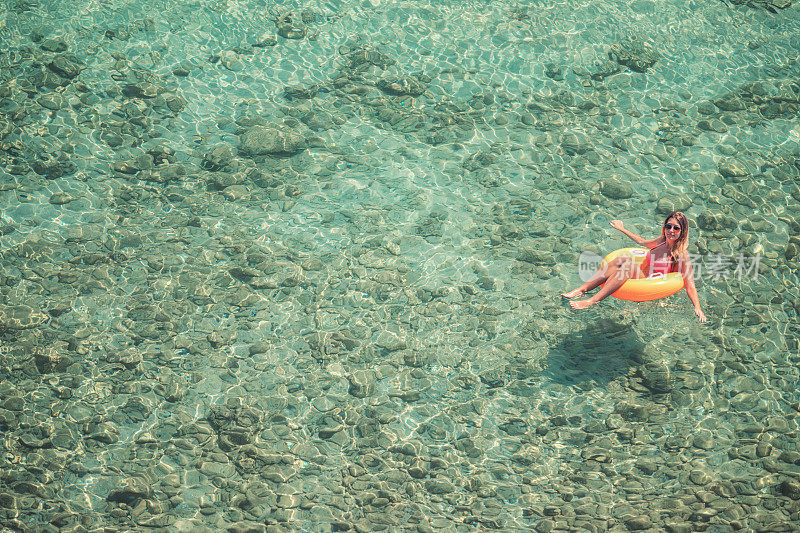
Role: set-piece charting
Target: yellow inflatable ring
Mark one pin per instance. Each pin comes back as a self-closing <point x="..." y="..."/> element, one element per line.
<point x="644" y="289"/>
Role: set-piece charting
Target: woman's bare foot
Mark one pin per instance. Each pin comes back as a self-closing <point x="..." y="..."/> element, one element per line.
<point x="582" y="304"/>
<point x="573" y="294"/>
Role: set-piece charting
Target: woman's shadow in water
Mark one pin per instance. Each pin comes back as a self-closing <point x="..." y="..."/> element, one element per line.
<point x="601" y="352"/>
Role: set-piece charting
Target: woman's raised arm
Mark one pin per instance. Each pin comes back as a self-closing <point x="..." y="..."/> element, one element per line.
<point x="685" y="268"/>
<point x="617" y="224"/>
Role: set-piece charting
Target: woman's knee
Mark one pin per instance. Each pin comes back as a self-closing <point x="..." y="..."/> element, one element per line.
<point x="624" y="267"/>
<point x="622" y="262"/>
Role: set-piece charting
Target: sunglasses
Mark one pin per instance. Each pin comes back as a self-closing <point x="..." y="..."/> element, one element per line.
<point x="671" y="226"/>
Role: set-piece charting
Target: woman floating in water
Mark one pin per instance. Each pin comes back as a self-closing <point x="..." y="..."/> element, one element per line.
<point x="667" y="254"/>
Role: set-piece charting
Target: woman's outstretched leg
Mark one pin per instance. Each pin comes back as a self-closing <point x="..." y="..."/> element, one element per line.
<point x="616" y="274"/>
<point x="597" y="279"/>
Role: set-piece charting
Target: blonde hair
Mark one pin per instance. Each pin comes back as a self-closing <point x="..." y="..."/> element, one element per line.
<point x="679" y="250"/>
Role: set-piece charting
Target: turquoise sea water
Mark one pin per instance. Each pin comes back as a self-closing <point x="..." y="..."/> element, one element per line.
<point x="297" y="266"/>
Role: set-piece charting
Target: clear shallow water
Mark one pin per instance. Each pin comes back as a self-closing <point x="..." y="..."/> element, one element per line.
<point x="365" y="332"/>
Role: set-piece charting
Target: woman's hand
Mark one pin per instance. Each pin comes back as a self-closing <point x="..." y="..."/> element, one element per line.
<point x="617" y="224"/>
<point x="700" y="314"/>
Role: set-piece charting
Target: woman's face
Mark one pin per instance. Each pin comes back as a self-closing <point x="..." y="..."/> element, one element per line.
<point x="672" y="230"/>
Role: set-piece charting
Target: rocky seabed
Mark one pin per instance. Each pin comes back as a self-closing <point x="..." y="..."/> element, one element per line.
<point x="296" y="267"/>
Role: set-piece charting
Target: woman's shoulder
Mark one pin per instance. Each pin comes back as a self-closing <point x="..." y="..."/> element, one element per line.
<point x="683" y="255"/>
<point x="681" y="260"/>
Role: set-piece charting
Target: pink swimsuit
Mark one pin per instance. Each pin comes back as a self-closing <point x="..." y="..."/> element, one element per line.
<point x="659" y="267"/>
